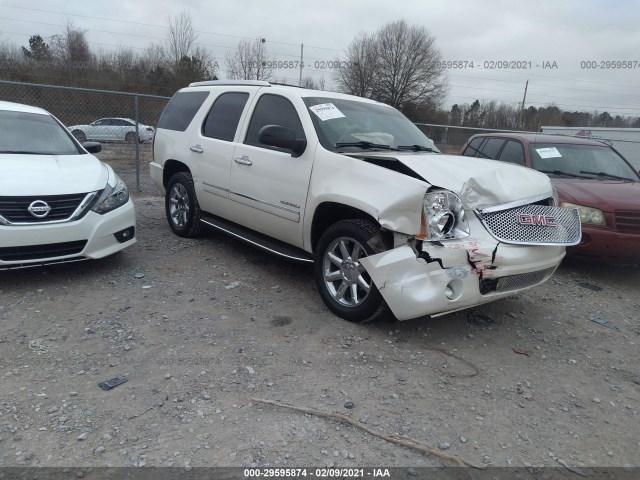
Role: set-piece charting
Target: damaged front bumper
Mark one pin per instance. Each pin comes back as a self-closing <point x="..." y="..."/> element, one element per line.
<point x="435" y="278"/>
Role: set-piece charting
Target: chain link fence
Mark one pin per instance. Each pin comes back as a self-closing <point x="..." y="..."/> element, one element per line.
<point x="123" y="122"/>
<point x="450" y="139"/>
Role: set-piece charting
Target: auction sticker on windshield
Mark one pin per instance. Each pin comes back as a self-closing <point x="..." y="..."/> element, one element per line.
<point x="551" y="152"/>
<point x="326" y="111"/>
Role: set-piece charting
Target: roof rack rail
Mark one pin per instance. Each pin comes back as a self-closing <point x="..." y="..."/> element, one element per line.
<point x="258" y="83"/>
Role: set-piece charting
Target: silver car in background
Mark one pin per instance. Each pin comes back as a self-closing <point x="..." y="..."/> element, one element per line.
<point x="112" y="129"/>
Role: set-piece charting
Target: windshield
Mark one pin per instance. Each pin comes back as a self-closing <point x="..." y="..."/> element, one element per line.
<point x="351" y="125"/>
<point x="584" y="161"/>
<point x="33" y="133"/>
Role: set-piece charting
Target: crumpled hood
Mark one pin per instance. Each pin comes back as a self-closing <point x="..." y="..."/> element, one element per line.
<point x="480" y="183"/>
<point x="607" y="195"/>
<point x="25" y="175"/>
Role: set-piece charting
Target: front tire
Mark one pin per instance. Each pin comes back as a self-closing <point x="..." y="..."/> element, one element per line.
<point x="343" y="283"/>
<point x="130" y="137"/>
<point x="182" y="207"/>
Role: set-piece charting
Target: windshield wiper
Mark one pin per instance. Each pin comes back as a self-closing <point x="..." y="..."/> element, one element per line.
<point x="416" y="148"/>
<point x="365" y="145"/>
<point x="606" y="175"/>
<point x="560" y="172"/>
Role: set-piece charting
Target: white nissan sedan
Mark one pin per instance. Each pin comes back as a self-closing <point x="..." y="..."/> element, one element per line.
<point x="58" y="203"/>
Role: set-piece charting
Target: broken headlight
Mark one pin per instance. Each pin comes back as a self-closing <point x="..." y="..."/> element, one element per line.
<point x="443" y="217"/>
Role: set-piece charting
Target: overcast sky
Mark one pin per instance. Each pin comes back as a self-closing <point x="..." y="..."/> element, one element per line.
<point x="534" y="33"/>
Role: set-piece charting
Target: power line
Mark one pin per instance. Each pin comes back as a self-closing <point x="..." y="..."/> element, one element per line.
<point x="144" y="36"/>
<point x="159" y="26"/>
<point x="545" y="85"/>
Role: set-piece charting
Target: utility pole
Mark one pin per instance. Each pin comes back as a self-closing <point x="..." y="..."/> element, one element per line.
<point x="521" y="121"/>
<point x="301" y="50"/>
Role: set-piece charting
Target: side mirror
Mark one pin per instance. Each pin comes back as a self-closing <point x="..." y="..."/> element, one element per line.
<point x="92" y="147"/>
<point x="282" y="137"/>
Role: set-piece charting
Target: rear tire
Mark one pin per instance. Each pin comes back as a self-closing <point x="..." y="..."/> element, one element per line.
<point x="79" y="135"/>
<point x="344" y="285"/>
<point x="182" y="207"/>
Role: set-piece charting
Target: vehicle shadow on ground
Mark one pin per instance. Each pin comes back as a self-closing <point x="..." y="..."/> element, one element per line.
<point x="605" y="271"/>
<point x="58" y="274"/>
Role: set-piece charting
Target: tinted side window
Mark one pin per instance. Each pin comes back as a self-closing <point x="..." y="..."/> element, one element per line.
<point x="491" y="148"/>
<point x="180" y="110"/>
<point x="473" y="147"/>
<point x="273" y="110"/>
<point x="513" y="153"/>
<point x="223" y="118"/>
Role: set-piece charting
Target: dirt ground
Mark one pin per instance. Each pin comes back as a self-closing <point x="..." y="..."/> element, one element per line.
<point x="201" y="328"/>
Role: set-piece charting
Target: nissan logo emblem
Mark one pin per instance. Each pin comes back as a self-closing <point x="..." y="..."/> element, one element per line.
<point x="39" y="209"/>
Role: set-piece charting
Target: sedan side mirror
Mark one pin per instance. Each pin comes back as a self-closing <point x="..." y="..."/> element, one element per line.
<point x="282" y="137"/>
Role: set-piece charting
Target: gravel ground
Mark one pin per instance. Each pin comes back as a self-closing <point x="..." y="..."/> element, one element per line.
<point x="201" y="328"/>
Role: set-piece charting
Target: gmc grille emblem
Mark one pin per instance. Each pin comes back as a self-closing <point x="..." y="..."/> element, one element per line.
<point x="39" y="209"/>
<point x="531" y="219"/>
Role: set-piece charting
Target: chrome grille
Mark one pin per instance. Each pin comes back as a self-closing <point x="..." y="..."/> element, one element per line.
<point x="14" y="209"/>
<point x="534" y="225"/>
<point x="628" y="222"/>
<point x="515" y="282"/>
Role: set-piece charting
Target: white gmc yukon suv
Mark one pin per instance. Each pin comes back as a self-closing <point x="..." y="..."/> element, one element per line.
<point x="354" y="187"/>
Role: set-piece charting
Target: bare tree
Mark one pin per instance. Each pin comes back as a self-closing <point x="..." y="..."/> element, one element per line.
<point x="310" y="82"/>
<point x="154" y="56"/>
<point x="250" y="61"/>
<point x="408" y="66"/>
<point x="71" y="45"/>
<point x="398" y="64"/>
<point x="202" y="56"/>
<point x="182" y="37"/>
<point x="357" y="75"/>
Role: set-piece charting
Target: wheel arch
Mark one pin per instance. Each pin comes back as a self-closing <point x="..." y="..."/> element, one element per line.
<point x="328" y="213"/>
<point x="171" y="167"/>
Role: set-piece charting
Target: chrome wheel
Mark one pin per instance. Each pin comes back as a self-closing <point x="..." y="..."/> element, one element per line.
<point x="179" y="205"/>
<point x="345" y="278"/>
<point x="80" y="136"/>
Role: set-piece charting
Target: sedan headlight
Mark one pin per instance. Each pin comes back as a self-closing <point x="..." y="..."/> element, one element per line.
<point x="443" y="217"/>
<point x="588" y="215"/>
<point x="111" y="197"/>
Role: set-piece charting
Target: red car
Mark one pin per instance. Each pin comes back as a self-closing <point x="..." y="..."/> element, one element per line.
<point x="588" y="175"/>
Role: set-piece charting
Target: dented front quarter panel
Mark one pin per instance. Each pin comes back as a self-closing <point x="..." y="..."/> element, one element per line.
<point x="413" y="279"/>
<point x="392" y="198"/>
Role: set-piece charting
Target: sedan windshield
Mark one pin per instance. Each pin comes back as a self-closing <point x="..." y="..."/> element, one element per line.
<point x="33" y="133"/>
<point x="584" y="161"/>
<point x="351" y="126"/>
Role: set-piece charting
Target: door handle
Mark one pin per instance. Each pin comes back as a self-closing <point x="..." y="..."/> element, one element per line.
<point x="244" y="160"/>
<point x="196" y="148"/>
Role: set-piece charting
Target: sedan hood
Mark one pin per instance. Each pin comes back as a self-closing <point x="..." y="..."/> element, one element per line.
<point x="607" y="195"/>
<point x="480" y="183"/>
<point x="26" y="175"/>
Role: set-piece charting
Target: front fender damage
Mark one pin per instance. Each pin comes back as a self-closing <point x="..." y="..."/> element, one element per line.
<point x="413" y="278"/>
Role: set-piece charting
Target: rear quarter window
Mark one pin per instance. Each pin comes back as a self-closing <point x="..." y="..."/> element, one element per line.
<point x="181" y="109"/>
<point x="473" y="147"/>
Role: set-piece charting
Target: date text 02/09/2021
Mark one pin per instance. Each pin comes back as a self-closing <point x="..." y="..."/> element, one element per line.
<point x="317" y="472"/>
